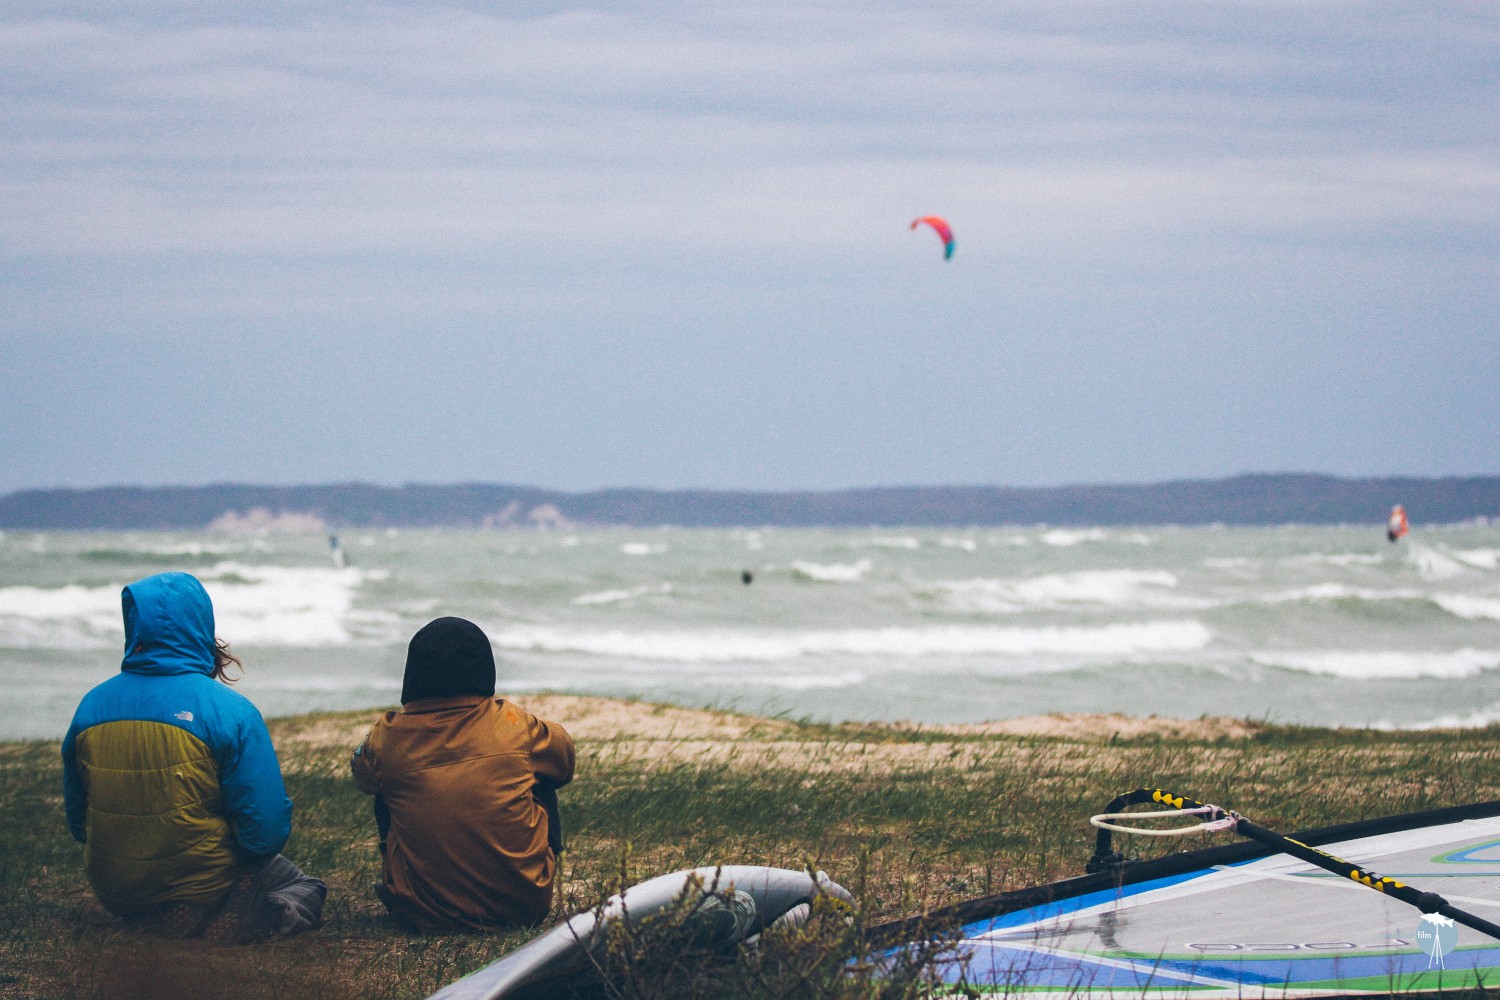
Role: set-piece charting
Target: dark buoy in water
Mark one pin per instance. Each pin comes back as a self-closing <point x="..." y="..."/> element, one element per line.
<point x="747" y="577"/>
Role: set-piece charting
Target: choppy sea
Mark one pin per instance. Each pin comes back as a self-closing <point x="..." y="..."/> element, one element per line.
<point x="1295" y="624"/>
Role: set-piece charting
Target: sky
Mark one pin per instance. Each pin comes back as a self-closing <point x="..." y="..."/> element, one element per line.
<point x="667" y="245"/>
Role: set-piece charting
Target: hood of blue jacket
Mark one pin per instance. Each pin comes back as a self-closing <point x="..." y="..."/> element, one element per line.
<point x="169" y="626"/>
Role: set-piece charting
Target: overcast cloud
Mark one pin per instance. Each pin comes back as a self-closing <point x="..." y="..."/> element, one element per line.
<point x="637" y="245"/>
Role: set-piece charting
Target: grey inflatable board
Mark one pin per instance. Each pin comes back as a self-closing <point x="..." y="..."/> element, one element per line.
<point x="737" y="902"/>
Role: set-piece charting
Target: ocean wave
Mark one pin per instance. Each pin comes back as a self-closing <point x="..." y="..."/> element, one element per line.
<point x="1335" y="559"/>
<point x="268" y="605"/>
<point x="805" y="682"/>
<point x="176" y="552"/>
<point x="896" y="542"/>
<point x="616" y="596"/>
<point x="1384" y="665"/>
<point x="967" y="544"/>
<point x="831" y="572"/>
<point x="1478" y="719"/>
<point x="1479" y="558"/>
<point x="320" y="684"/>
<point x="731" y="646"/>
<point x="1434" y="565"/>
<point x="1469" y="606"/>
<point x="1073" y="536"/>
<point x="1337" y="592"/>
<point x="1112" y="588"/>
<point x="642" y="548"/>
<point x="56" y="603"/>
<point x="284" y="605"/>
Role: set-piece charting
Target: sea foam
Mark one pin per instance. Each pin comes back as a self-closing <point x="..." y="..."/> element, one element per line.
<point x="732" y="646"/>
<point x="831" y="572"/>
<point x="1111" y="588"/>
<point x="1073" y="536"/>
<point x="1470" y="606"/>
<point x="1384" y="665"/>
<point x="1434" y="565"/>
<point x="267" y="605"/>
<point x="642" y="549"/>
<point x="284" y="605"/>
<point x="618" y="596"/>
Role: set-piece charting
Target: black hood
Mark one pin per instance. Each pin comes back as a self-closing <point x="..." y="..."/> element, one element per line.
<point x="447" y="658"/>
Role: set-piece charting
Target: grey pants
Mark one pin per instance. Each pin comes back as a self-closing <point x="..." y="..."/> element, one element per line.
<point x="273" y="899"/>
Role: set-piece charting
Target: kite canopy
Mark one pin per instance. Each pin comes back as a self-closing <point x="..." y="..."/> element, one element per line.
<point x="1396" y="525"/>
<point x="1240" y="921"/>
<point x="941" y="227"/>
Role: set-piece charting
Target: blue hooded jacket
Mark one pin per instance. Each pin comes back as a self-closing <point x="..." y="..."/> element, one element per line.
<point x="169" y="777"/>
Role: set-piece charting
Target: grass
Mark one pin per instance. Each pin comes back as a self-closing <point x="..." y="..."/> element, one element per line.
<point x="910" y="819"/>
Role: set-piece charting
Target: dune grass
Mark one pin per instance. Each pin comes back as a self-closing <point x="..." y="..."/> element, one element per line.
<point x="907" y="818"/>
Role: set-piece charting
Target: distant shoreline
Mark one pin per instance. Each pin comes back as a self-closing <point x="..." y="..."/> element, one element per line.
<point x="1259" y="499"/>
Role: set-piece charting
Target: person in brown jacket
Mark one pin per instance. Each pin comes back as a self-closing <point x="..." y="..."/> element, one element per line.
<point x="465" y="791"/>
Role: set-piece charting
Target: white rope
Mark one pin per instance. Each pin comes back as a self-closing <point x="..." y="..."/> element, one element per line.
<point x="1225" y="822"/>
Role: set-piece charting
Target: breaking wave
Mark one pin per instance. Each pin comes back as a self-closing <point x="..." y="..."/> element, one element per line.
<point x="1384" y="665"/>
<point x="617" y="596"/>
<point x="1469" y="606"/>
<point x="263" y="605"/>
<point x="1112" y="588"/>
<point x="733" y="646"/>
<point x="1479" y="558"/>
<point x="831" y="572"/>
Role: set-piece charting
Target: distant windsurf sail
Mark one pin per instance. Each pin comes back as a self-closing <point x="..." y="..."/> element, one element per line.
<point x="1243" y="920"/>
<point x="1395" y="525"/>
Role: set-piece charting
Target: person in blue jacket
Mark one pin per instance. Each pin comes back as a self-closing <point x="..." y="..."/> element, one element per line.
<point x="171" y="783"/>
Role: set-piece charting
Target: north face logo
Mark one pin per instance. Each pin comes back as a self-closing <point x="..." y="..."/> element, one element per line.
<point x="184" y="716"/>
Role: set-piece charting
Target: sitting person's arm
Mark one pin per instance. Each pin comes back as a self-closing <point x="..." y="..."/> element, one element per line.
<point x="552" y="755"/>
<point x="552" y="762"/>
<point x="362" y="766"/>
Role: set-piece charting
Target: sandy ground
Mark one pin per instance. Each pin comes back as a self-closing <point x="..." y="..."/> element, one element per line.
<point x="645" y="729"/>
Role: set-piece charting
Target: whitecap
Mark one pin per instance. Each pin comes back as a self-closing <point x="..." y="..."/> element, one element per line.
<point x="1479" y="558"/>
<point x="71" y="617"/>
<point x="730" y="646"/>
<point x="807" y="682"/>
<point x="1336" y="559"/>
<point x="642" y="549"/>
<point x="616" y="596"/>
<point x="285" y="605"/>
<point x="1469" y="606"/>
<point x="967" y="544"/>
<point x="1068" y="536"/>
<point x="269" y="605"/>
<point x="1338" y="592"/>
<point x="53" y="603"/>
<point x="901" y="542"/>
<point x="1487" y="716"/>
<point x="1383" y="664"/>
<point x="831" y="572"/>
<point x="1112" y="588"/>
<point x="1434" y="565"/>
<point x="321" y="684"/>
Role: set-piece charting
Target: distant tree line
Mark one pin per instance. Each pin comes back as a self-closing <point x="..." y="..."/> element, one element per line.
<point x="1247" y="499"/>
